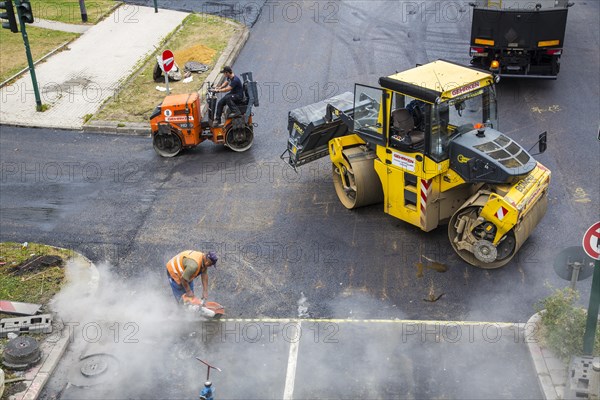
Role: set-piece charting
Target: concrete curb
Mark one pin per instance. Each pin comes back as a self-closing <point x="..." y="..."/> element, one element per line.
<point x="551" y="371"/>
<point x="228" y="57"/>
<point x="39" y="375"/>
<point x="118" y="128"/>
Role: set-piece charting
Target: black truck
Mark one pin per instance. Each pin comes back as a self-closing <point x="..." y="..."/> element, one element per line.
<point x="517" y="38"/>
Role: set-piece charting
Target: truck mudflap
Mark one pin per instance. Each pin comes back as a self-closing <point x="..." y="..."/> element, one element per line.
<point x="310" y="130"/>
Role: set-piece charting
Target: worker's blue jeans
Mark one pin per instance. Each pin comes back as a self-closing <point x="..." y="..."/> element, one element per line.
<point x="178" y="290"/>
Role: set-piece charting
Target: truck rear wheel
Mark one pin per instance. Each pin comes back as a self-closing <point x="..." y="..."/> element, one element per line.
<point x="356" y="182"/>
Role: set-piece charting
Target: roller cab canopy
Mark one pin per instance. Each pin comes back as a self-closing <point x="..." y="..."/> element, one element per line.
<point x="437" y="81"/>
<point x="366" y="113"/>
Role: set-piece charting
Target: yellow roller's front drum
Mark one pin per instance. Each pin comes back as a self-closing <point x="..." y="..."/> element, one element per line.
<point x="356" y="183"/>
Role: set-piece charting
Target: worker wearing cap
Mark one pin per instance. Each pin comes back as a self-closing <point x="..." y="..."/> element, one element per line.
<point x="184" y="268"/>
<point x="235" y="93"/>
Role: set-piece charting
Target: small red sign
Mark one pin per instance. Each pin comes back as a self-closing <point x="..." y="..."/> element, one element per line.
<point x="591" y="241"/>
<point x="168" y="60"/>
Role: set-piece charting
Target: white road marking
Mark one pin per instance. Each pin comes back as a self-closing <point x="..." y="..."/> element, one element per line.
<point x="290" y="376"/>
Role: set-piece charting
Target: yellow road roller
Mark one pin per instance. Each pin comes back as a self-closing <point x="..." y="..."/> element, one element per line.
<point x="427" y="144"/>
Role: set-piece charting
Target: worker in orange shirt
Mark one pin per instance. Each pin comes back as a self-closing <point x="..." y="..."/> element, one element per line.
<point x="184" y="268"/>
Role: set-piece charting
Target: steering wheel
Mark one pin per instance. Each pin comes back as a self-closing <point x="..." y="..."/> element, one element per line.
<point x="460" y="107"/>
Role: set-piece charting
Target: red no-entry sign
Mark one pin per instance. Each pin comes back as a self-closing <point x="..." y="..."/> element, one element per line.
<point x="591" y="241"/>
<point x="168" y="60"/>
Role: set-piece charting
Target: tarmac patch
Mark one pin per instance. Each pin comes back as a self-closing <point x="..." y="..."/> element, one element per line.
<point x="37" y="264"/>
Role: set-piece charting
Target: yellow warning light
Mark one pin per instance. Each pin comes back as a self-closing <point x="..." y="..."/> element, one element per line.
<point x="545" y="43"/>
<point x="485" y="42"/>
<point x="495" y="64"/>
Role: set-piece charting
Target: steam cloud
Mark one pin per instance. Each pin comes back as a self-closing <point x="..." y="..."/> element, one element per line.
<point x="137" y="322"/>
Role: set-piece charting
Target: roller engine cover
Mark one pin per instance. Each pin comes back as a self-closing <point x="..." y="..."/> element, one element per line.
<point x="489" y="157"/>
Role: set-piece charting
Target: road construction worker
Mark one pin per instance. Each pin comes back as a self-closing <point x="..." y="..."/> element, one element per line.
<point x="235" y="93"/>
<point x="184" y="268"/>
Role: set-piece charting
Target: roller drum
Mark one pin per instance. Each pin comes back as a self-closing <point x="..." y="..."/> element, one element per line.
<point x="508" y="246"/>
<point x="531" y="220"/>
<point x="364" y="187"/>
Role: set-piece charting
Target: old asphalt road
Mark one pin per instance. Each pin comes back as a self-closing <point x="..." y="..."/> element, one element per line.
<point x="279" y="359"/>
<point x="243" y="11"/>
<point x="281" y="234"/>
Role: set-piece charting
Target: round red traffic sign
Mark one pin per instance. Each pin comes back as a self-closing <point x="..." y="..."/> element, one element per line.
<point x="591" y="241"/>
<point x="168" y="60"/>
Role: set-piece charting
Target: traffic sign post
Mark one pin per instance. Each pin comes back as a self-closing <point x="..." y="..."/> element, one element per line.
<point x="168" y="61"/>
<point x="591" y="245"/>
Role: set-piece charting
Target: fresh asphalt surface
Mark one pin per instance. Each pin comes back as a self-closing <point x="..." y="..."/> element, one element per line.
<point x="281" y="234"/>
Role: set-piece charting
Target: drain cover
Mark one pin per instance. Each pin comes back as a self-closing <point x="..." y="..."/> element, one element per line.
<point x="21" y="353"/>
<point x="94" y="366"/>
<point x="93" y="370"/>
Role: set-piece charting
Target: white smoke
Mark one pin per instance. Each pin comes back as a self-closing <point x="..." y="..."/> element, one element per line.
<point x="136" y="321"/>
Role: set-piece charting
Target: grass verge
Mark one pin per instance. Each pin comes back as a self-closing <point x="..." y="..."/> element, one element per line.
<point x="202" y="38"/>
<point x="68" y="11"/>
<point x="32" y="286"/>
<point x="41" y="41"/>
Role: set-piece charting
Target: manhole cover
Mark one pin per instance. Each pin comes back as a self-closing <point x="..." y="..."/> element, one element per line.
<point x="94" y="366"/>
<point x="93" y="370"/>
<point x="21" y="353"/>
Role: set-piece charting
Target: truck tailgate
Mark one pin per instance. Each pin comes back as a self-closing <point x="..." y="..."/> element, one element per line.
<point x="522" y="29"/>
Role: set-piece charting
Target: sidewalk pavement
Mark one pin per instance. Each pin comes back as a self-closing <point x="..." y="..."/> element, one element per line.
<point x="78" y="82"/>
